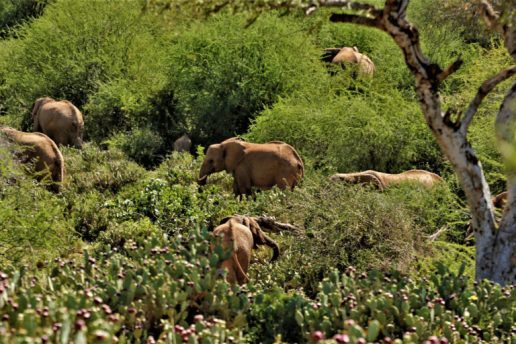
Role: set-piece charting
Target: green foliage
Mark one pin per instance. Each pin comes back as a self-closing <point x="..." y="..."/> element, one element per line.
<point x="153" y="290"/>
<point x="223" y="74"/>
<point x="66" y="55"/>
<point x="375" y="306"/>
<point x="33" y="223"/>
<point x="141" y="145"/>
<point x="93" y="169"/>
<point x="354" y="225"/>
<point x="16" y="12"/>
<point x="168" y="289"/>
<point x="326" y="129"/>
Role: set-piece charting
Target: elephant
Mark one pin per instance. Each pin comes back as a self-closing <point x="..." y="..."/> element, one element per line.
<point x="59" y="120"/>
<point x="383" y="180"/>
<point x="39" y="149"/>
<point x="352" y="55"/>
<point x="241" y="234"/>
<point x="183" y="144"/>
<point x="253" y="164"/>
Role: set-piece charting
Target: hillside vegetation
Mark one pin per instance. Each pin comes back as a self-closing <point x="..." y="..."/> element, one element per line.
<point x="123" y="253"/>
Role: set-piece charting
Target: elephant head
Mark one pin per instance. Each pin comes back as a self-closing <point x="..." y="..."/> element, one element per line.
<point x="259" y="237"/>
<point x="37" y="105"/>
<point x="221" y="156"/>
<point x="358" y="178"/>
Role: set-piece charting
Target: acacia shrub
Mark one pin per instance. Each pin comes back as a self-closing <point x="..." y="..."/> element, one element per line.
<point x="351" y="131"/>
<point x="69" y="56"/>
<point x="34" y="226"/>
<point x="223" y="75"/>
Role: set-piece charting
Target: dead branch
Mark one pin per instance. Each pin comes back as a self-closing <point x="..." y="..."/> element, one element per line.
<point x="434" y="236"/>
<point x="486" y="87"/>
<point x="450" y="70"/>
<point x="270" y="223"/>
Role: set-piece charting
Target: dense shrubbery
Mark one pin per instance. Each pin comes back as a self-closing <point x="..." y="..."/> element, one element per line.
<point x="148" y="270"/>
<point x="168" y="289"/>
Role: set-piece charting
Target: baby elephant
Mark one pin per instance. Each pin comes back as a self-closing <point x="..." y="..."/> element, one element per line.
<point x="383" y="180"/>
<point x="39" y="149"/>
<point x="241" y="234"/>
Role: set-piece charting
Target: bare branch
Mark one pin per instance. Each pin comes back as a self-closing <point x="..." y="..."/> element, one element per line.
<point x="486" y="87"/>
<point x="356" y="19"/>
<point x="507" y="29"/>
<point x="490" y="15"/>
<point x="275" y="226"/>
<point x="350" y="5"/>
<point x="450" y="70"/>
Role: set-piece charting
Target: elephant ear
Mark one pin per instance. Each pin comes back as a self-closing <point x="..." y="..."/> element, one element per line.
<point x="260" y="238"/>
<point x="233" y="152"/>
<point x="258" y="235"/>
<point x="38" y="104"/>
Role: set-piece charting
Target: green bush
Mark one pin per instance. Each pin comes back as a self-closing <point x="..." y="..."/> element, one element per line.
<point x="141" y="145"/>
<point x="66" y="55"/>
<point x="168" y="289"/>
<point x="355" y="225"/>
<point x="352" y="132"/>
<point x="93" y="169"/>
<point x="34" y="225"/>
<point x="16" y="12"/>
<point x="223" y="75"/>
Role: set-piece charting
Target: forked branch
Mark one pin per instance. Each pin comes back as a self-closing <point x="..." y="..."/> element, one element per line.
<point x="486" y="87"/>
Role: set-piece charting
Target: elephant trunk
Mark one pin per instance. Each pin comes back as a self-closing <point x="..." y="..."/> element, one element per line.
<point x="202" y="180"/>
<point x="203" y="174"/>
<point x="275" y="247"/>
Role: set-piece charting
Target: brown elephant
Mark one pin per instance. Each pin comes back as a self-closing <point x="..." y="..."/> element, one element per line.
<point x="241" y="234"/>
<point x="253" y="164"/>
<point x="183" y="144"/>
<point x="59" y="120"/>
<point x="383" y="180"/>
<point x="39" y="149"/>
<point x="352" y="55"/>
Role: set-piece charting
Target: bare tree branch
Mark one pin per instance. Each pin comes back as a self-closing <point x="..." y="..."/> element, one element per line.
<point x="344" y="4"/>
<point x="275" y="226"/>
<point x="486" y="87"/>
<point x="356" y="19"/>
<point x="508" y="29"/>
<point x="450" y="70"/>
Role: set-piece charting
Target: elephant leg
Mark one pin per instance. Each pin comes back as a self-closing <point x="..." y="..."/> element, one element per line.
<point x="242" y="184"/>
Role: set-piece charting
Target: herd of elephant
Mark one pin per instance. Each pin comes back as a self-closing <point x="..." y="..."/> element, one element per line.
<point x="252" y="165"/>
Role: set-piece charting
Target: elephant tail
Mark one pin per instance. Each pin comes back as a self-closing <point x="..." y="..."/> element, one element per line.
<point x="58" y="172"/>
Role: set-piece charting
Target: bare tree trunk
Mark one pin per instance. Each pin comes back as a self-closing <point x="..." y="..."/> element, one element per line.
<point x="504" y="250"/>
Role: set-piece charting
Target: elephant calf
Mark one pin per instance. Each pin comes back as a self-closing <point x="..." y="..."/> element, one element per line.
<point x="253" y="164"/>
<point x="241" y="234"/>
<point x="383" y="180"/>
<point x="59" y="120"/>
<point x="39" y="149"/>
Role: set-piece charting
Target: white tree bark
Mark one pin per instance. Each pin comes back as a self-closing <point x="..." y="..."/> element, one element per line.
<point x="495" y="248"/>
